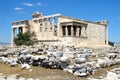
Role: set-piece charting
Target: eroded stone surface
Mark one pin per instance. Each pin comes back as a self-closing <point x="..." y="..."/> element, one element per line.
<point x="77" y="61"/>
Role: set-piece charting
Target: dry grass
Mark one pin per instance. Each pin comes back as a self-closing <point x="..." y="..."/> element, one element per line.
<point x="49" y="74"/>
<point x="39" y="72"/>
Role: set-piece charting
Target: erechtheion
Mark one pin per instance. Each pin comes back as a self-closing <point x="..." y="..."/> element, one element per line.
<point x="62" y="30"/>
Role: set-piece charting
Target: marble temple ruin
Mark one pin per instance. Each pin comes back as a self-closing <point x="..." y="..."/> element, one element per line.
<point x="61" y="30"/>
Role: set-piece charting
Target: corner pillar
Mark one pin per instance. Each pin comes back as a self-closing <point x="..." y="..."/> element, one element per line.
<point x="107" y="35"/>
<point x="12" y="37"/>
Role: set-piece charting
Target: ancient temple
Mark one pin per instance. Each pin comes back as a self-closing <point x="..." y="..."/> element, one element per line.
<point x="61" y="30"/>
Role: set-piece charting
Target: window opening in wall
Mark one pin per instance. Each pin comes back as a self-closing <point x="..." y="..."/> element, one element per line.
<point x="40" y="29"/>
<point x="50" y="29"/>
<point x="45" y="19"/>
<point x="40" y="20"/>
<point x="45" y="24"/>
<point x="41" y="24"/>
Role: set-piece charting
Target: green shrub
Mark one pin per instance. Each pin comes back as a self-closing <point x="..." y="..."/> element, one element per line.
<point x="25" y="39"/>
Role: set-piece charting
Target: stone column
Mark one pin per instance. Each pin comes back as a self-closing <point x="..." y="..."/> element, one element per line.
<point x="66" y="31"/>
<point x="107" y="35"/>
<point x="59" y="30"/>
<point x="77" y="31"/>
<point x="12" y="38"/>
<point x="48" y="24"/>
<point x="48" y="28"/>
<point x="71" y="30"/>
<point x="53" y="25"/>
<point x="43" y="29"/>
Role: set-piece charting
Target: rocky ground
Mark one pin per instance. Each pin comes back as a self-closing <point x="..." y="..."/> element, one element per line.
<point x="59" y="63"/>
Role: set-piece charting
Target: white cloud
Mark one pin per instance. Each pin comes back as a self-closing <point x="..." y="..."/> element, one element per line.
<point x="27" y="4"/>
<point x="18" y="8"/>
<point x="39" y="4"/>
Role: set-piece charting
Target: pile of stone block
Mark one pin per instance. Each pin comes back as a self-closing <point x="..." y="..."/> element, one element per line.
<point x="78" y="61"/>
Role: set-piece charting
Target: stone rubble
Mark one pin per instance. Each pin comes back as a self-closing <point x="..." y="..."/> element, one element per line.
<point x="77" y="61"/>
<point x="113" y="74"/>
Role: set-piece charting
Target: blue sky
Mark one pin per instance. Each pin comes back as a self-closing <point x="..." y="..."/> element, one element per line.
<point x="93" y="10"/>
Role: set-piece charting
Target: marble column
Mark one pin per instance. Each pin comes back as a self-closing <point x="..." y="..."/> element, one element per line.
<point x="59" y="30"/>
<point x="47" y="28"/>
<point x="48" y="24"/>
<point x="66" y="31"/>
<point x="106" y="35"/>
<point x="77" y="31"/>
<point x="53" y="25"/>
<point x="71" y="30"/>
<point x="12" y="37"/>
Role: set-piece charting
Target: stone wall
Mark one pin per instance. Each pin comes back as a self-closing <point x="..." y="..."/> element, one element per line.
<point x="95" y="34"/>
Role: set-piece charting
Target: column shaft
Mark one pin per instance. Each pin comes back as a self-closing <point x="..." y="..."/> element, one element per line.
<point x="12" y="38"/>
<point x="106" y="35"/>
<point x="66" y="31"/>
<point x="53" y="25"/>
<point x="59" y="30"/>
<point x="71" y="30"/>
<point x="48" y="28"/>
